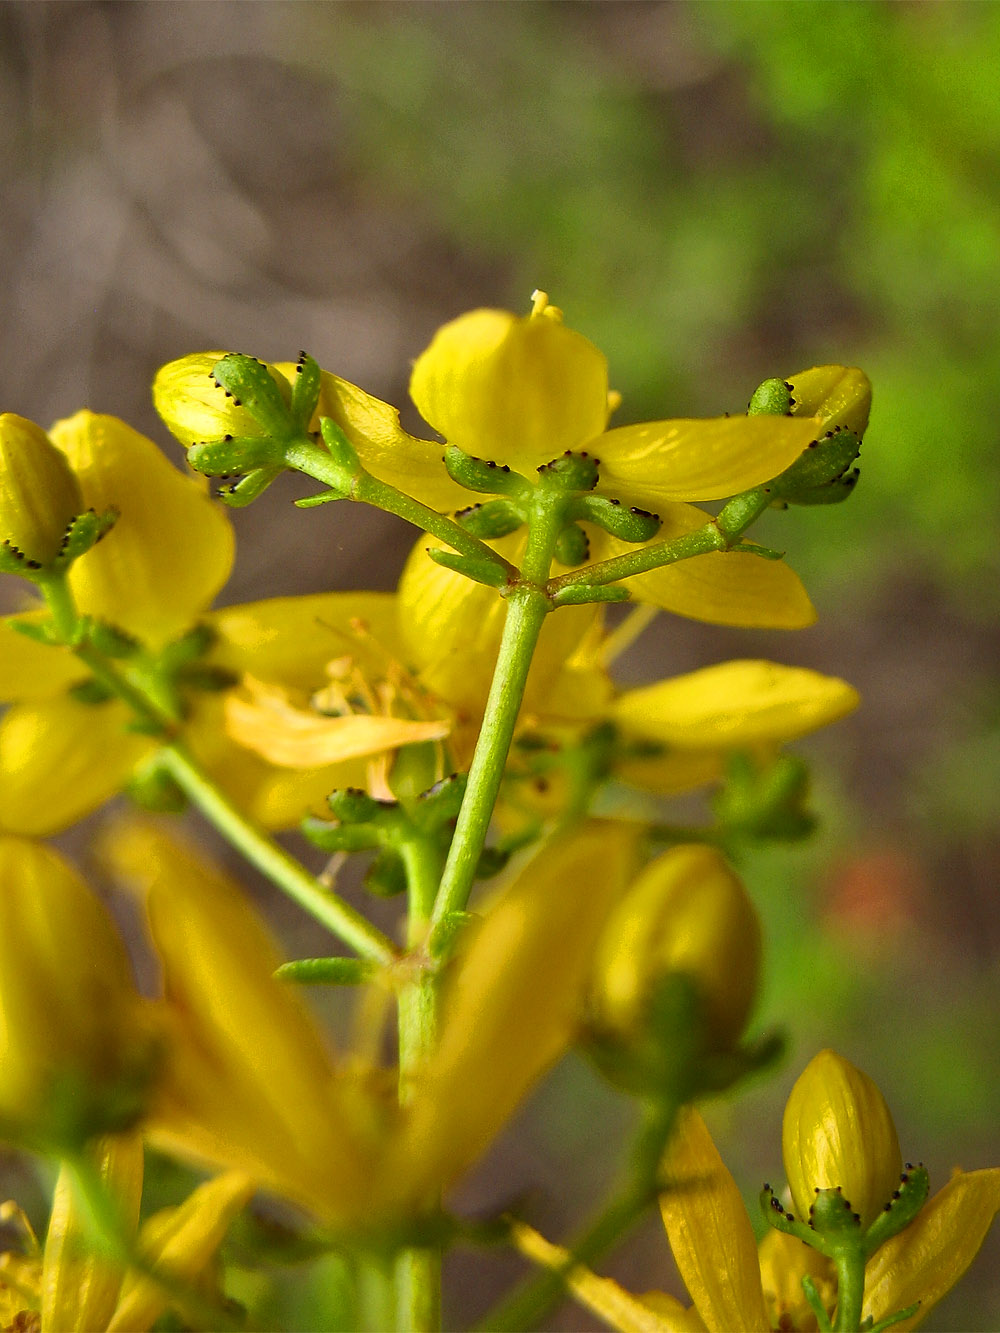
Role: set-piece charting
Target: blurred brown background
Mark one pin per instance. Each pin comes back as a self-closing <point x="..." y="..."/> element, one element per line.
<point x="715" y="193"/>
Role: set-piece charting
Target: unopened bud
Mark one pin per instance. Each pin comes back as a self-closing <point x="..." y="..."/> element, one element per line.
<point x="39" y="493"/>
<point x="838" y="1135"/>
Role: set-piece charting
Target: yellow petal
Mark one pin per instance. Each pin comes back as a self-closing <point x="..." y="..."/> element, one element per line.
<point x="925" y="1260"/>
<point x="170" y="551"/>
<point x="733" y="705"/>
<point x="710" y="1232"/>
<point x="289" y="640"/>
<point x="836" y="395"/>
<point x="676" y="771"/>
<point x="80" y="1288"/>
<point x="192" y="405"/>
<point x="452" y="628"/>
<point x="70" y="1012"/>
<point x="249" y="1081"/>
<point x="722" y="588"/>
<point x="512" y="1002"/>
<point x="517" y="391"/>
<point x="39" y="495"/>
<point x="784" y="1262"/>
<point x="60" y="759"/>
<point x="612" y="1304"/>
<point x="660" y="461"/>
<point x="261" y="717"/>
<point x="385" y="449"/>
<point x="31" y="670"/>
<point x="838" y="1133"/>
<point x="182" y="1241"/>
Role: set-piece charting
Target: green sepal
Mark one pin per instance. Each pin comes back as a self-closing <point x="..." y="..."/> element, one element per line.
<point x="188" y="647"/>
<point x="629" y="524"/>
<point x="902" y="1208"/>
<point x="248" y="488"/>
<point x="440" y="804"/>
<point x="351" y="805"/>
<point x="764" y="552"/>
<point x="109" y="640"/>
<point x="764" y="800"/>
<point x="571" y="472"/>
<point x="325" y="971"/>
<point x="13" y="561"/>
<point x="822" y="474"/>
<point x="91" y="692"/>
<point x="738" y="513"/>
<point x="578" y="594"/>
<point x="495" y="518"/>
<point x="483" y="475"/>
<point x="492" y="860"/>
<point x="778" y="1217"/>
<point x="447" y="931"/>
<point x="342" y="451"/>
<point x="480" y="571"/>
<point x="332" y="837"/>
<point x="414" y="769"/>
<point x="252" y="386"/>
<point x="305" y="389"/>
<point x="84" y="532"/>
<point x="772" y="398"/>
<point x="386" y="876"/>
<point x="206" y="677"/>
<point x="153" y="789"/>
<point x="234" y="454"/>
<point x="572" y="546"/>
<point x="834" y="1220"/>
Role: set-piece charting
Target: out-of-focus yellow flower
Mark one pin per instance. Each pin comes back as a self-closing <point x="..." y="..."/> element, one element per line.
<point x="75" y="1289"/>
<point x="251" y="1084"/>
<point x="76" y="1047"/>
<point x="39" y="494"/>
<point x="687" y="913"/>
<point x="838" y="1134"/>
<point x="169" y="553"/>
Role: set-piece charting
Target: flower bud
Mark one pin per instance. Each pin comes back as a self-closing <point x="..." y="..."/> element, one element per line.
<point x="840" y="396"/>
<point x="686" y="913"/>
<point x="196" y="409"/>
<point x="838" y="1135"/>
<point x="39" y="493"/>
<point x="74" y="1051"/>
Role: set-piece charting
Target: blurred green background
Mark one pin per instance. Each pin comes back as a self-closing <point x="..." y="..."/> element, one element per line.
<point x="714" y="193"/>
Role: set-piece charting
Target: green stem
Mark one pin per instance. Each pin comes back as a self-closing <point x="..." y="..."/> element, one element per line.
<point x="55" y="589"/>
<point x="273" y="861"/>
<point x="850" y="1265"/>
<point x="417" y="1272"/>
<point x="316" y="462"/>
<point x="527" y="608"/>
<point x="526" y="1306"/>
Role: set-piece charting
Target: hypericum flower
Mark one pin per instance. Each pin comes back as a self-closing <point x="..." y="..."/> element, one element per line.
<point x="736" y="1284"/>
<point x="521" y="391"/>
<point x="169" y="553"/>
<point x="71" y="1288"/>
<point x="838" y="1134"/>
<point x="250" y="1082"/>
<point x="687" y="913"/>
<point x="76" y="1047"/>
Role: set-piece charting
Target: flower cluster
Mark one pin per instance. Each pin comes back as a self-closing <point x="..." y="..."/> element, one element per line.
<point x="468" y="725"/>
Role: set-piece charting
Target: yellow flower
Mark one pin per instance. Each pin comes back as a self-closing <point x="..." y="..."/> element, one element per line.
<point x="167" y="556"/>
<point x="686" y="913"/>
<point x="76" y="1049"/>
<point x="71" y="1288"/>
<point x="521" y="391"/>
<point x="250" y="1082"/>
<point x="838" y="1134"/>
